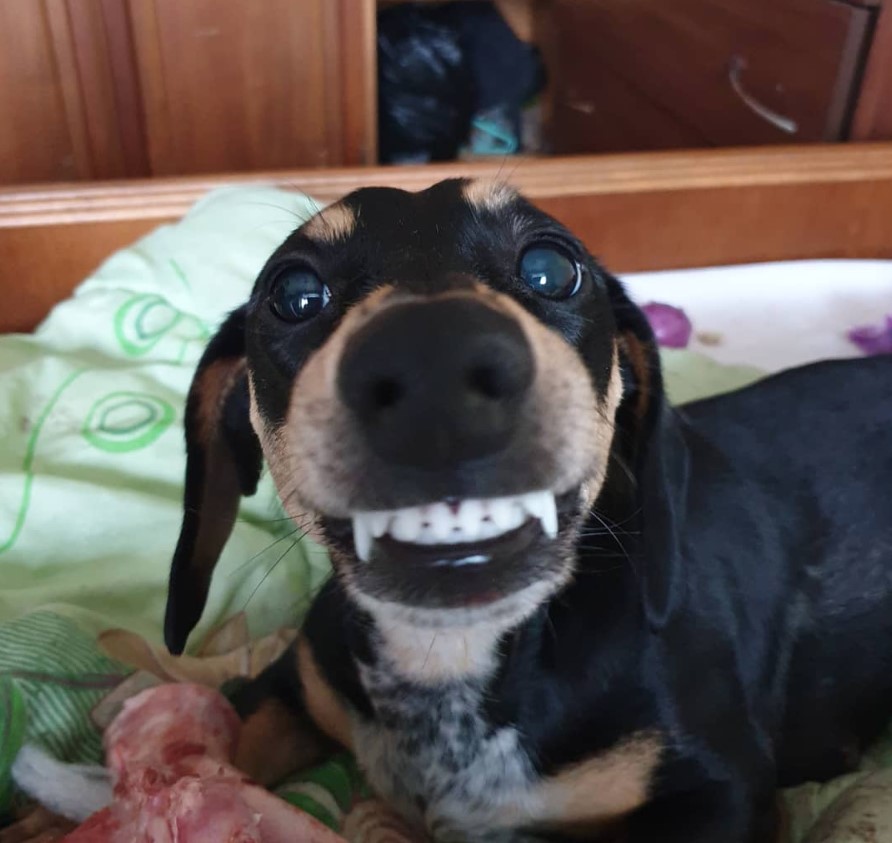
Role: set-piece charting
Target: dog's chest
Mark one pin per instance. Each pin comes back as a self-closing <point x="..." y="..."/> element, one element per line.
<point x="432" y="754"/>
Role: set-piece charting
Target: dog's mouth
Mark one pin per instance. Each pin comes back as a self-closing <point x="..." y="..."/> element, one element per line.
<point x="458" y="553"/>
<point x="455" y="532"/>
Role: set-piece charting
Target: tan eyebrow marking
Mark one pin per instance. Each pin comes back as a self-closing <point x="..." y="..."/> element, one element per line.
<point x="336" y="222"/>
<point x="488" y="195"/>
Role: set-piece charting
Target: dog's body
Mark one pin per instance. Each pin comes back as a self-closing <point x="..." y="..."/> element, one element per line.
<point x="697" y="609"/>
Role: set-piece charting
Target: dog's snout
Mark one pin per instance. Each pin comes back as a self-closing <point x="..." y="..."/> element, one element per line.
<point x="436" y="383"/>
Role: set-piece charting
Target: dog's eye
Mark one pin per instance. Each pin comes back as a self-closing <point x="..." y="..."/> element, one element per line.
<point x="298" y="294"/>
<point x="550" y="272"/>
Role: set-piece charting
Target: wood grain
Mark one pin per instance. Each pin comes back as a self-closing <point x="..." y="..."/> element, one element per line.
<point x="357" y="52"/>
<point x="31" y="99"/>
<point x="71" y="108"/>
<point x="637" y="212"/>
<point x="236" y="85"/>
<point x="642" y="74"/>
<point x="873" y="115"/>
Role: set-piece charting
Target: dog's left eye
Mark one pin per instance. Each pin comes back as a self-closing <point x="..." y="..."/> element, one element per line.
<point x="298" y="295"/>
<point x="550" y="272"/>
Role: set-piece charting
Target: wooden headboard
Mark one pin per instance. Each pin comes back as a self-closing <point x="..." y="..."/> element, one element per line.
<point x="636" y="212"/>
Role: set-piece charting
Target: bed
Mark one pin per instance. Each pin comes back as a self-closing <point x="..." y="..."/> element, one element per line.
<point x="92" y="398"/>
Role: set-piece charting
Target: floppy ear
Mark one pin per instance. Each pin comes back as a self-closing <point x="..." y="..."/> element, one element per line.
<point x="223" y="462"/>
<point x="643" y="396"/>
<point x="653" y="447"/>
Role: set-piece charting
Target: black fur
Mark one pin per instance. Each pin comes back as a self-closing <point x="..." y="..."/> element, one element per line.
<point x="733" y="588"/>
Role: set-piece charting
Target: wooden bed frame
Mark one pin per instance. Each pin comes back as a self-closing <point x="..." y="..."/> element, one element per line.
<point x="637" y="212"/>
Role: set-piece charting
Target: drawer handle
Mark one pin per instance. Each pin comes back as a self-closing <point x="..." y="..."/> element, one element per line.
<point x="735" y="71"/>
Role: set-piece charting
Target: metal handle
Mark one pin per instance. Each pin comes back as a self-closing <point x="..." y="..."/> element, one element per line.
<point x="735" y="71"/>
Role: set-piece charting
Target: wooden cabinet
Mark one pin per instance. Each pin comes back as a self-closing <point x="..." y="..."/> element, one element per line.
<point x="65" y="112"/>
<point x="95" y="89"/>
<point x="236" y="85"/>
<point x="101" y="89"/>
<point x="647" y="74"/>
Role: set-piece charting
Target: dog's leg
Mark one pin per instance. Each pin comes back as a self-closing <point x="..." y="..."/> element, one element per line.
<point x="291" y="718"/>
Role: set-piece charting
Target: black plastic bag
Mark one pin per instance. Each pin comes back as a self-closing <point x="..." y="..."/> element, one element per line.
<point x="426" y="91"/>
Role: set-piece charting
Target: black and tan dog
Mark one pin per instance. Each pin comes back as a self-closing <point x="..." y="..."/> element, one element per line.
<point x="561" y="608"/>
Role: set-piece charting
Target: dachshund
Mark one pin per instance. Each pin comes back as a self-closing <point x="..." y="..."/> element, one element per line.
<point x="561" y="609"/>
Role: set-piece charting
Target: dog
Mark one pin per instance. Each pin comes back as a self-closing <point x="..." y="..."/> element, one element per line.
<point x="561" y="609"/>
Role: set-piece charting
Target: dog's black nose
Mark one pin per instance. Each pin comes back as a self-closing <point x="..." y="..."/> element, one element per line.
<point x="437" y="383"/>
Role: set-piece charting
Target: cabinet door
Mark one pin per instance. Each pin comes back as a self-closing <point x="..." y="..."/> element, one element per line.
<point x="247" y="85"/>
<point x="650" y="74"/>
<point x="69" y="105"/>
<point x="36" y="142"/>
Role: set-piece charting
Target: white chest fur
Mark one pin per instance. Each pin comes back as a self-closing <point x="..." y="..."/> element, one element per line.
<point x="432" y="755"/>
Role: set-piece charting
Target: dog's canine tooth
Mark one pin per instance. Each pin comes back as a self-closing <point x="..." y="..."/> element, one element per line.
<point x="542" y="505"/>
<point x="362" y="535"/>
<point x="380" y="521"/>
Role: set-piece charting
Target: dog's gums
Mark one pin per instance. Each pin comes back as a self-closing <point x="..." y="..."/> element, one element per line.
<point x="463" y="522"/>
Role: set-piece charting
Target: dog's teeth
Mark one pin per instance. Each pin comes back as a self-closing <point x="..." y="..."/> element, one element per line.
<point x="379" y="521"/>
<point x="488" y="530"/>
<point x="541" y="505"/>
<point x="470" y="515"/>
<point x="501" y="511"/>
<point x="406" y="525"/>
<point x="362" y="536"/>
<point x="441" y="521"/>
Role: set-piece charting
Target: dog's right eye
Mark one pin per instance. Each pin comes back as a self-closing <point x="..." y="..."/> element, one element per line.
<point x="550" y="272"/>
<point x="298" y="294"/>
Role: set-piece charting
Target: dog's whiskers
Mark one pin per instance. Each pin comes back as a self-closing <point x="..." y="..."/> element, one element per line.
<point x="271" y="569"/>
<point x="270" y="546"/>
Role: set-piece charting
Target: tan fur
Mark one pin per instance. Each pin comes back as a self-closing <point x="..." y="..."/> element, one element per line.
<point x="608" y="407"/>
<point x="336" y="222"/>
<point x="315" y="460"/>
<point x="639" y="359"/>
<point x="486" y="195"/>
<point x="433" y="646"/>
<point x="275" y="741"/>
<point x="323" y="704"/>
<point x="212" y="386"/>
<point x="601" y="789"/>
<point x="308" y="459"/>
<point x="575" y="425"/>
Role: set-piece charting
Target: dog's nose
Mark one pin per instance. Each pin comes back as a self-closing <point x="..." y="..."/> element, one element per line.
<point x="437" y="383"/>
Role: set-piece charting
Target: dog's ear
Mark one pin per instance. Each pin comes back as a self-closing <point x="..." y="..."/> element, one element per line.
<point x="652" y="445"/>
<point x="640" y="364"/>
<point x="223" y="462"/>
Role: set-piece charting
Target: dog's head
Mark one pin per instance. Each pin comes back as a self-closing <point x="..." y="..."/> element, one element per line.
<point x="441" y="381"/>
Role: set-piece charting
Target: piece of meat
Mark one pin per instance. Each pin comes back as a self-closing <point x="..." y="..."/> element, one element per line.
<point x="168" y="750"/>
<point x="164" y="726"/>
<point x="101" y="827"/>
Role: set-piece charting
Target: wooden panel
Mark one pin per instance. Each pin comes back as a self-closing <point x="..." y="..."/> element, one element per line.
<point x="662" y="71"/>
<point x="71" y="109"/>
<point x="101" y="92"/>
<point x="241" y="85"/>
<point x="357" y="51"/>
<point x="637" y="212"/>
<point x="31" y="100"/>
<point x="873" y="116"/>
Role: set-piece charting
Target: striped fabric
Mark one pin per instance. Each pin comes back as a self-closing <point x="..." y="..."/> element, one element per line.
<point x="53" y="676"/>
